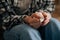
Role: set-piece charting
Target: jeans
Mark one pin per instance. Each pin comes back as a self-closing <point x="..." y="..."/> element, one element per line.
<point x="24" y="32"/>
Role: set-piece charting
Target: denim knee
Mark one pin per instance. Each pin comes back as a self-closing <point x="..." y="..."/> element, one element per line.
<point x="22" y="32"/>
<point x="52" y="30"/>
<point x="55" y="23"/>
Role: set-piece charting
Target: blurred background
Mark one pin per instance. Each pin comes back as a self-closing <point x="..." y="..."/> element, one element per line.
<point x="56" y="13"/>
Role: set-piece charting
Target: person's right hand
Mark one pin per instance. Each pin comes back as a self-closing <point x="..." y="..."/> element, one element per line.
<point x="34" y="22"/>
<point x="38" y="15"/>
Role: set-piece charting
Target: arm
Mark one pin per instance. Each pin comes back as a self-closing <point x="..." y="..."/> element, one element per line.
<point x="46" y="7"/>
<point x="12" y="20"/>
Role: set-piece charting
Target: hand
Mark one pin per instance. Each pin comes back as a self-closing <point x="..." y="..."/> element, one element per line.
<point x="47" y="18"/>
<point x="34" y="22"/>
<point x="38" y="15"/>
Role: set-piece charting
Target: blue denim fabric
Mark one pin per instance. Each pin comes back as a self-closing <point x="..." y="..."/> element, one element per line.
<point x="22" y="32"/>
<point x="52" y="30"/>
<point x="25" y="32"/>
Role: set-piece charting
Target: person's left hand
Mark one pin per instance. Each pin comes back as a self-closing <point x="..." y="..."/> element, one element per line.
<point x="47" y="17"/>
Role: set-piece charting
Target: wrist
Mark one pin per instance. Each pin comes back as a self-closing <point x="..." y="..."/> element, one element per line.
<point x="24" y="16"/>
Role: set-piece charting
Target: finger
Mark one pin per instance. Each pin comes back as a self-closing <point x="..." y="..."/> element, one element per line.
<point x="45" y="22"/>
<point x="35" y="25"/>
<point x="28" y="19"/>
<point x="35" y="19"/>
<point x="48" y="15"/>
<point x="35" y="15"/>
<point x="44" y="14"/>
<point x="39" y="14"/>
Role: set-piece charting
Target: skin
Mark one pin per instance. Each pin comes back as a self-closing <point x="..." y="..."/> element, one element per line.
<point x="47" y="17"/>
<point x="34" y="20"/>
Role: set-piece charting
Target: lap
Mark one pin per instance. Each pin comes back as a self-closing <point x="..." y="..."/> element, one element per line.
<point x="22" y="32"/>
<point x="52" y="30"/>
<point x="54" y="24"/>
<point x="25" y="32"/>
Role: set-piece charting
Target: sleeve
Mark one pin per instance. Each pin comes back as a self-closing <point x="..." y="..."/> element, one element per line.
<point x="47" y="5"/>
<point x="12" y="20"/>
